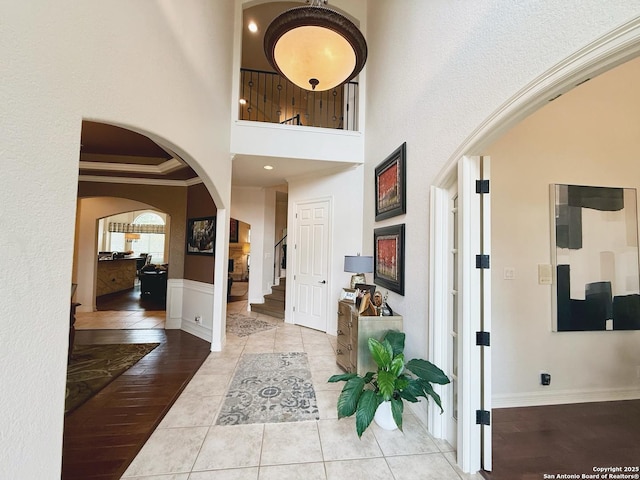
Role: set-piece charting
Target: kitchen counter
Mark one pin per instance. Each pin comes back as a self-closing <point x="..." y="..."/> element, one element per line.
<point x="115" y="275"/>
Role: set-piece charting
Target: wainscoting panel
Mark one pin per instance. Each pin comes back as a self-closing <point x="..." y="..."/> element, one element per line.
<point x="174" y="303"/>
<point x="197" y="301"/>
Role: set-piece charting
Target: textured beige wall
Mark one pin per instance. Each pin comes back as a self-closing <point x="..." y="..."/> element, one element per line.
<point x="171" y="200"/>
<point x="199" y="204"/>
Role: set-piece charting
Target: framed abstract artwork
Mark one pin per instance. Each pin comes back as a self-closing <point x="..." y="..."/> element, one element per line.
<point x="595" y="256"/>
<point x="233" y="231"/>
<point x="388" y="258"/>
<point x="391" y="197"/>
<point x="201" y="235"/>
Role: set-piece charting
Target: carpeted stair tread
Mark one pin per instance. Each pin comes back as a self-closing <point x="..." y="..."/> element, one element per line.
<point x="265" y="310"/>
<point x="274" y="302"/>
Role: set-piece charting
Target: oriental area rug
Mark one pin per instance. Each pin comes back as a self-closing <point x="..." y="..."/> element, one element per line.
<point x="243" y="326"/>
<point x="270" y="388"/>
<point x="93" y="367"/>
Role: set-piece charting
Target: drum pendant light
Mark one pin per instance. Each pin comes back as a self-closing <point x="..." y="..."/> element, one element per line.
<point x="314" y="47"/>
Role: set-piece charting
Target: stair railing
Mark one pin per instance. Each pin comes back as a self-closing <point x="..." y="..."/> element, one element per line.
<point x="279" y="258"/>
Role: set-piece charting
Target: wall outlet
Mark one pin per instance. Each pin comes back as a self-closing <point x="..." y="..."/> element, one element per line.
<point x="198" y="319"/>
<point x="545" y="378"/>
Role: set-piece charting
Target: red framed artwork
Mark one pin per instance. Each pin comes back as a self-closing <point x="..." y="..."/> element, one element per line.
<point x="388" y="257"/>
<point x="391" y="198"/>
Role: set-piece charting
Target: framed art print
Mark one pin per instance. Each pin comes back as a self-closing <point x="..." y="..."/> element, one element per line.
<point x="388" y="258"/>
<point x="201" y="235"/>
<point x="595" y="256"/>
<point x="233" y="231"/>
<point x="391" y="198"/>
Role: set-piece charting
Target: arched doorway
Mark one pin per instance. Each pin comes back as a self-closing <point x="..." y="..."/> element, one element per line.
<point x="601" y="56"/>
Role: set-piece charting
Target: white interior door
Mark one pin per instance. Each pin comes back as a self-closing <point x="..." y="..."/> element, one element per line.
<point x="312" y="264"/>
<point x="453" y="318"/>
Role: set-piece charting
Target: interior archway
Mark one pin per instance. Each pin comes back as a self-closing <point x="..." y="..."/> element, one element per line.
<point x="601" y="56"/>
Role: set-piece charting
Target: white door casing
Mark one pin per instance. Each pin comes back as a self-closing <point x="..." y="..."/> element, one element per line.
<point x="475" y="381"/>
<point x="311" y="275"/>
<point x="485" y="320"/>
<point x="473" y="442"/>
<point x="445" y="308"/>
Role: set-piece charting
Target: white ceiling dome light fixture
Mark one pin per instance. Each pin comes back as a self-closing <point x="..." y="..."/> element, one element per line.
<point x="314" y="47"/>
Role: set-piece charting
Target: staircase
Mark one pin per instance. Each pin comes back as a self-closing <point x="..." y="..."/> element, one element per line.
<point x="274" y="302"/>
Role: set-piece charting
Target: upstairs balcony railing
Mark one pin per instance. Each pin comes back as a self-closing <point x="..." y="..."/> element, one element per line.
<point x="269" y="97"/>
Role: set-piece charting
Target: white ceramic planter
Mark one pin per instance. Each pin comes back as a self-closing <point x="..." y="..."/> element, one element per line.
<point x="384" y="417"/>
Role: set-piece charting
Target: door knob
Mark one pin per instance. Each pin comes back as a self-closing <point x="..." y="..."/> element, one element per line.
<point x="323" y="281"/>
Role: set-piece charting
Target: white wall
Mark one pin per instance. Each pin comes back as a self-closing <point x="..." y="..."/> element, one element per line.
<point x="437" y="70"/>
<point x="155" y="67"/>
<point x="345" y="191"/>
<point x="588" y="136"/>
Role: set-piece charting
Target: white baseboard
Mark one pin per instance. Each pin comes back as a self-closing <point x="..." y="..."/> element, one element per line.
<point x="533" y="399"/>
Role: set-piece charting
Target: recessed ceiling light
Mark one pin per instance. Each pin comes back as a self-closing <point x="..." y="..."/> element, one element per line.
<point x="268" y="167"/>
<point x="243" y="101"/>
<point x="253" y="28"/>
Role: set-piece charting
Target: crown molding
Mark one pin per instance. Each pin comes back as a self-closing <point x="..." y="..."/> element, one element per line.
<point x="162" y="169"/>
<point x="140" y="181"/>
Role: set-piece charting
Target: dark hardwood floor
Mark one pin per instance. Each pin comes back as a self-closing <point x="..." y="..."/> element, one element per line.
<point x="130" y="300"/>
<point x="567" y="439"/>
<point x="103" y="436"/>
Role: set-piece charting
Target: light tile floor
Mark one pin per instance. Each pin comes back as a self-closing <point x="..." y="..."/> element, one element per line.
<point x="187" y="445"/>
<point x="120" y="320"/>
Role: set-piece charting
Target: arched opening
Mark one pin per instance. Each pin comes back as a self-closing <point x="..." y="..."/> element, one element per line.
<point x="491" y="137"/>
<point x="123" y="173"/>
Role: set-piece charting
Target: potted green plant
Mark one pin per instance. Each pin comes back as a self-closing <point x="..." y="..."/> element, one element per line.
<point x="394" y="382"/>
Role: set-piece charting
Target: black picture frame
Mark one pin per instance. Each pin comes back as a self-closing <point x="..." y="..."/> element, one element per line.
<point x="201" y="236"/>
<point x="388" y="257"/>
<point x="233" y="230"/>
<point x="390" y="187"/>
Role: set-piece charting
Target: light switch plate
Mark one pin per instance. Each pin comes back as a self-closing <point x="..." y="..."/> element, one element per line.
<point x="545" y="274"/>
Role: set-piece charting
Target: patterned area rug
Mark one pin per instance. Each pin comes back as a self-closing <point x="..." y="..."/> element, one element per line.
<point x="243" y="326"/>
<point x="93" y="367"/>
<point x="270" y="388"/>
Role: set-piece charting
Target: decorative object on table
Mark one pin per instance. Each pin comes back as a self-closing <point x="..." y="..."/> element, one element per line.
<point x="270" y="388"/>
<point x="233" y="230"/>
<point x="595" y="255"/>
<point x="314" y="47"/>
<point x="93" y="367"/>
<point x="366" y="307"/>
<point x="358" y="265"/>
<point x="391" y="195"/>
<point x="377" y="299"/>
<point x="361" y="290"/>
<point x="388" y="254"/>
<point x="348" y="295"/>
<point x="393" y="382"/>
<point x="201" y="236"/>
